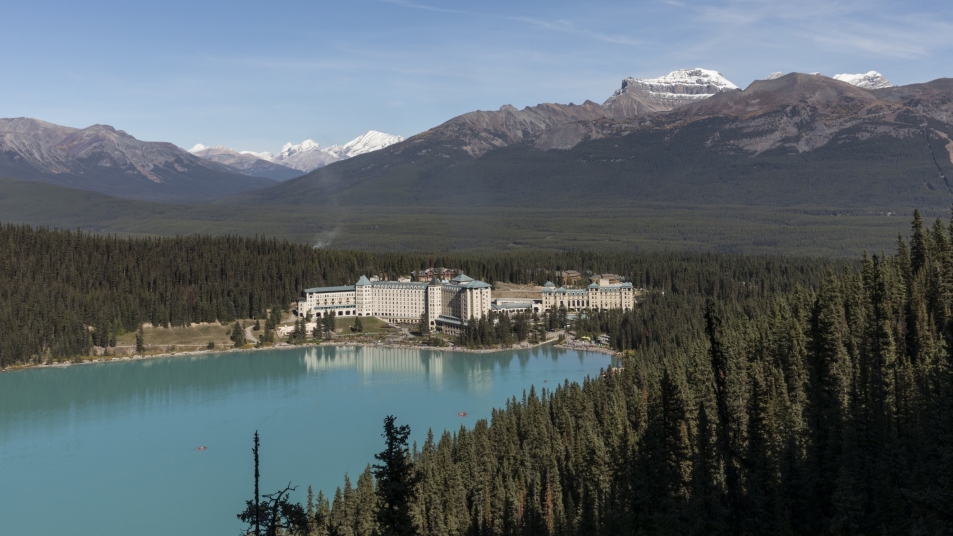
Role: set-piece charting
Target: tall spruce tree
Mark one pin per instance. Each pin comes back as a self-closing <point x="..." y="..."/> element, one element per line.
<point x="140" y="341"/>
<point x="396" y="482"/>
<point x="238" y="335"/>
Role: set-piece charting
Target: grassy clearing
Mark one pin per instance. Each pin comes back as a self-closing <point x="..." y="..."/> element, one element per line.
<point x="371" y="325"/>
<point x="197" y="334"/>
<point x="512" y="290"/>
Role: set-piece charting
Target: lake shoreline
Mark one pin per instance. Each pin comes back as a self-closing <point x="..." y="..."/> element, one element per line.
<point x="340" y="343"/>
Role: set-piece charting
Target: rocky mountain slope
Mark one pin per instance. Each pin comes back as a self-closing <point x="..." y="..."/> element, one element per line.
<point x="103" y="159"/>
<point x="561" y="126"/>
<point x="794" y="140"/>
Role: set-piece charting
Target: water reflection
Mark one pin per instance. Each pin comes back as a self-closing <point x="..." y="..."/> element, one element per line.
<point x="80" y="437"/>
<point x="368" y="360"/>
<point x="475" y="369"/>
<point x="111" y="388"/>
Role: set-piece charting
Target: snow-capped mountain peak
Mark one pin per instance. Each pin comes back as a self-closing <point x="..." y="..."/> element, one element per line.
<point x="775" y="75"/>
<point x="370" y="141"/>
<point x="289" y="149"/>
<point x="264" y="155"/>
<point x="677" y="88"/>
<point x="868" y="80"/>
<point x="203" y="151"/>
<point x="309" y="155"/>
<point x="680" y="84"/>
<point x="689" y="78"/>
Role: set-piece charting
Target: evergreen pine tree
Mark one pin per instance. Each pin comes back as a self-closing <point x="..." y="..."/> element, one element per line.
<point x="238" y="335"/>
<point x="396" y="482"/>
<point x="140" y="341"/>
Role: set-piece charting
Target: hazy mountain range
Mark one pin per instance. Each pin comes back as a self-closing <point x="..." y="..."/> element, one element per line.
<point x="690" y="136"/>
<point x="245" y="163"/>
<point x="103" y="159"/>
<point x="295" y="159"/>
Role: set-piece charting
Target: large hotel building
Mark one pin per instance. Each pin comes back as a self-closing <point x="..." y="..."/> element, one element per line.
<point x="448" y="303"/>
<point x="601" y="294"/>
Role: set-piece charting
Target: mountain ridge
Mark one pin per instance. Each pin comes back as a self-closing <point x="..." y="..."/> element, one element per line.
<point x="554" y="153"/>
<point x="793" y="114"/>
<point x="104" y="159"/>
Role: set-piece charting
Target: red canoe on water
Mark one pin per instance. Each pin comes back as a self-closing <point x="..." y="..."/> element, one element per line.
<point x="202" y="448"/>
<point x="462" y="413"/>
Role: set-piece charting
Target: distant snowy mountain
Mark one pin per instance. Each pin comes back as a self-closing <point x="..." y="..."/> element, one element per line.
<point x="638" y="96"/>
<point x="245" y="162"/>
<point x="775" y="75"/>
<point x="265" y="155"/>
<point x="305" y="156"/>
<point x="370" y="141"/>
<point x="699" y="83"/>
<point x="869" y="80"/>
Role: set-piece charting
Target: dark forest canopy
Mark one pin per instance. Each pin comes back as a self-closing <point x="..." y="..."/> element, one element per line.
<point x="62" y="292"/>
<point x="822" y="409"/>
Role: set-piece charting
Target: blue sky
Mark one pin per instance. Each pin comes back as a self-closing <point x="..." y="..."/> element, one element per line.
<point x="256" y="75"/>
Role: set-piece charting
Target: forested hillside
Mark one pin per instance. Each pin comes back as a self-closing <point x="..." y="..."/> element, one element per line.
<point x="63" y="292"/>
<point x="824" y="409"/>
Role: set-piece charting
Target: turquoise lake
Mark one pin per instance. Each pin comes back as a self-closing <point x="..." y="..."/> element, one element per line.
<point x="111" y="448"/>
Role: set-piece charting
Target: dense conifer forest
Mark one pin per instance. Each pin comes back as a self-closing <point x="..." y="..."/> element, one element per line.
<point x="62" y="292"/>
<point x="826" y="408"/>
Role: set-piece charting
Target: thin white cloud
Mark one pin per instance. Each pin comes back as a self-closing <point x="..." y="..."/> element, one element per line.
<point x="869" y="28"/>
<point x="563" y="26"/>
<point x="425" y="7"/>
<point x="568" y="27"/>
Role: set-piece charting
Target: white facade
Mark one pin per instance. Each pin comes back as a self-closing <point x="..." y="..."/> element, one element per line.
<point x="444" y="302"/>
<point x="602" y="295"/>
<point x="323" y="300"/>
<point x="512" y="306"/>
